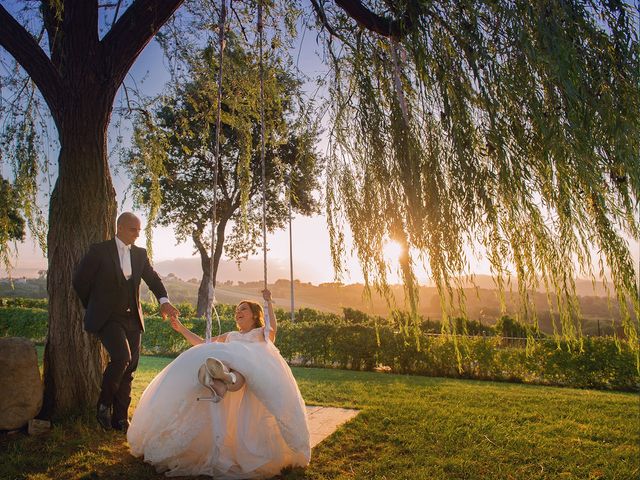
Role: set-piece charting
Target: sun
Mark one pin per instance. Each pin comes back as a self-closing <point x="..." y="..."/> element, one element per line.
<point x="391" y="251"/>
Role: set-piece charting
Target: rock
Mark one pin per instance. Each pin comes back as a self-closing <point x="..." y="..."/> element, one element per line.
<point x="20" y="383"/>
<point x="38" y="427"/>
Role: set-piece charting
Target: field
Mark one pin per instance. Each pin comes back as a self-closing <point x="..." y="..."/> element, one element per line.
<point x="409" y="427"/>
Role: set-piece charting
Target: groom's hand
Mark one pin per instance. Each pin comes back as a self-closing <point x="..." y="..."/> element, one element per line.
<point x="168" y="310"/>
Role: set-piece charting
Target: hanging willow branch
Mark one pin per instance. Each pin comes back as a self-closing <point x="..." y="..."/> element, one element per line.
<point x="21" y="152"/>
<point x="508" y="126"/>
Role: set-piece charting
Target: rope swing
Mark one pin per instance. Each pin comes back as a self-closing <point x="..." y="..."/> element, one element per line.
<point x="267" y="323"/>
<point x="211" y="290"/>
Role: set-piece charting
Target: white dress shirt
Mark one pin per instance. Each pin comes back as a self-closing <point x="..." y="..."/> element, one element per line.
<point x="124" y="252"/>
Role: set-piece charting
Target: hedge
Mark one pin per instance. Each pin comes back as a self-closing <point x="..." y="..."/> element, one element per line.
<point x="40" y="303"/>
<point x="24" y="322"/>
<point x="330" y="341"/>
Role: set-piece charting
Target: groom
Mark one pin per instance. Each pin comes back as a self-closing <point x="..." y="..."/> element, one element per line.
<point x="107" y="281"/>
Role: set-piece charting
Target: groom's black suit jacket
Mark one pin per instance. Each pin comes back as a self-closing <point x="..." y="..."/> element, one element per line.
<point x="99" y="282"/>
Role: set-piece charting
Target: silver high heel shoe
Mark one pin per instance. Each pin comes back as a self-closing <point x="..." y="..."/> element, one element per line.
<point x="219" y="371"/>
<point x="205" y="380"/>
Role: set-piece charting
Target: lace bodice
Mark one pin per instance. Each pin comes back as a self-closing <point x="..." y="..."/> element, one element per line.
<point x="255" y="335"/>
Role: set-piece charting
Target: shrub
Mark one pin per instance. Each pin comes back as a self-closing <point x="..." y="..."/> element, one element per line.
<point x="24" y="322"/>
<point x="327" y="340"/>
<point x="20" y="302"/>
<point x="508" y="327"/>
<point x="160" y="339"/>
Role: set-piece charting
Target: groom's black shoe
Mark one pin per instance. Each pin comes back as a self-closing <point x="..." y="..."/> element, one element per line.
<point x="104" y="416"/>
<point x="121" y="425"/>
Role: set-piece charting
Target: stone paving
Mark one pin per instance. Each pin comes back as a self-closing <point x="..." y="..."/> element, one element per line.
<point x="323" y="421"/>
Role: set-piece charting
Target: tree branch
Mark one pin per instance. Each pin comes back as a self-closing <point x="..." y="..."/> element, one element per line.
<point x="322" y="17"/>
<point x="374" y="22"/>
<point x="196" y="236"/>
<point x="23" y="47"/>
<point x="132" y="32"/>
<point x="52" y="20"/>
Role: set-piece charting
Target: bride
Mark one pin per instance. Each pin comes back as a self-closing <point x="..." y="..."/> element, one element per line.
<point x="251" y="422"/>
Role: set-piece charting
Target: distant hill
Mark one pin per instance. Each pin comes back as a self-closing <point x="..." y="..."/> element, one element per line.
<point x="189" y="268"/>
<point x="584" y="288"/>
<point x="24" y="287"/>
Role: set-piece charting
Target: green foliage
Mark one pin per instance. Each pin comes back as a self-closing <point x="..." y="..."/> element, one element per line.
<point x="21" y="302"/>
<point x="11" y="222"/>
<point x="602" y="363"/>
<point x="354" y="316"/>
<point x="509" y="327"/>
<point x="308" y="343"/>
<point x="186" y="310"/>
<point x="24" y="322"/>
<point x="35" y="288"/>
<point x="309" y="315"/>
<point x="510" y="127"/>
<point x="19" y="148"/>
<point x="474" y="327"/>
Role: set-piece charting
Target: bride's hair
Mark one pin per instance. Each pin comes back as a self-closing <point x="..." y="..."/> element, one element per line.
<point x="257" y="311"/>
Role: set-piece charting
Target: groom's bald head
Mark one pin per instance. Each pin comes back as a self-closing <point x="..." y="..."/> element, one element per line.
<point x="128" y="227"/>
<point x="127" y="217"/>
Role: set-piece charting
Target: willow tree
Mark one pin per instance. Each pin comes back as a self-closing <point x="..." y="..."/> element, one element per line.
<point x="509" y="125"/>
<point x="172" y="162"/>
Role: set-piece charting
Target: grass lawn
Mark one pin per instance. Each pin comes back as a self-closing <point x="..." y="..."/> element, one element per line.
<point x="409" y="428"/>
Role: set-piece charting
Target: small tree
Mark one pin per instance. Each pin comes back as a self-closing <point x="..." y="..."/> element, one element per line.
<point x="172" y="162"/>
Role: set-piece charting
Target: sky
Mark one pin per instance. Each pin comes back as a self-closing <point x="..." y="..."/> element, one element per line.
<point x="311" y="254"/>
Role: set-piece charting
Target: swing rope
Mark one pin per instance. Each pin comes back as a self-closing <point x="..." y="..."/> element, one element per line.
<point x="211" y="290"/>
<point x="267" y="322"/>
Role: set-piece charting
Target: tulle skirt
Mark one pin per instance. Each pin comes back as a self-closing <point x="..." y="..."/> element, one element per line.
<point x="251" y="433"/>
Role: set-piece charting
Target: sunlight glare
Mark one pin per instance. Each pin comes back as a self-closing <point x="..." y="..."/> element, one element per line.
<point x="391" y="252"/>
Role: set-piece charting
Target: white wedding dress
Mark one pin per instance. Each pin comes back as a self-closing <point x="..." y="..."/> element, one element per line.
<point x="251" y="433"/>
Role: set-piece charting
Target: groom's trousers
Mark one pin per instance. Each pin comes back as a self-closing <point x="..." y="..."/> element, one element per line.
<point x="121" y="336"/>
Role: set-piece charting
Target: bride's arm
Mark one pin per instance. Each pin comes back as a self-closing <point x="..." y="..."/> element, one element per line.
<point x="191" y="337"/>
<point x="273" y="323"/>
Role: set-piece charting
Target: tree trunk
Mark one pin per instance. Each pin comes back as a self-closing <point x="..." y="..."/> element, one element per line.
<point x="204" y="285"/>
<point x="79" y="81"/>
<point x="82" y="211"/>
<point x="205" y="262"/>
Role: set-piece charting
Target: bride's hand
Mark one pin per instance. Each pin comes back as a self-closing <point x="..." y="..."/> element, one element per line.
<point x="266" y="294"/>
<point x="175" y="324"/>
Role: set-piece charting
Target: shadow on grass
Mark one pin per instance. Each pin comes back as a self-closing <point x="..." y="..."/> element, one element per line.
<point x="77" y="449"/>
<point x="73" y="449"/>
